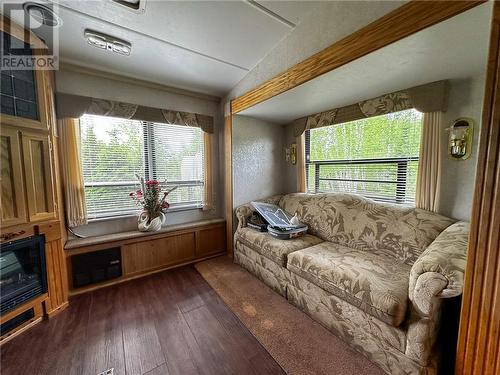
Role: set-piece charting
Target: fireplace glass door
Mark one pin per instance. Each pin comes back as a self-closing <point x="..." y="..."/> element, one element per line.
<point x="22" y="272"/>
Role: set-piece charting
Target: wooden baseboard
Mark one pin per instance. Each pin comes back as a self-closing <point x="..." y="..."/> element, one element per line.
<point x="56" y="311"/>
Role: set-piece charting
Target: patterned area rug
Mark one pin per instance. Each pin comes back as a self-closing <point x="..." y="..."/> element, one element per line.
<point x="300" y="345"/>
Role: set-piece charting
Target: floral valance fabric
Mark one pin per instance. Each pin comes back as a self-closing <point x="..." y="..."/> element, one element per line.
<point x="203" y="122"/>
<point x="74" y="106"/>
<point x="111" y="108"/>
<point x="431" y="97"/>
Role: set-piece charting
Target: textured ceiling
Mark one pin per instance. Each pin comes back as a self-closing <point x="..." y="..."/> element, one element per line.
<point x="454" y="49"/>
<point x="204" y="46"/>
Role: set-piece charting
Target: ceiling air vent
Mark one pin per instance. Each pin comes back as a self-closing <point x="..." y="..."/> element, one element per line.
<point x="135" y="5"/>
<point x="107" y="42"/>
<point x="42" y="13"/>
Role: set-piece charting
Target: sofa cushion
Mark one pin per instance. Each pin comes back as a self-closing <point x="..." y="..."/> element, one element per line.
<point x="375" y="283"/>
<point x="361" y="223"/>
<point x="272" y="248"/>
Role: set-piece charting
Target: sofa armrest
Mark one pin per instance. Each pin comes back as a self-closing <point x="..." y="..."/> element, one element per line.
<point x="439" y="270"/>
<point x="244" y="211"/>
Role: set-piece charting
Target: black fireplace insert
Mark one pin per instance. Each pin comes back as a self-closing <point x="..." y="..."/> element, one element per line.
<point x="23" y="275"/>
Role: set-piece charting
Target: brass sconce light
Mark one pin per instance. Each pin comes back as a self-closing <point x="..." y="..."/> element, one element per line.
<point x="291" y="154"/>
<point x="460" y="138"/>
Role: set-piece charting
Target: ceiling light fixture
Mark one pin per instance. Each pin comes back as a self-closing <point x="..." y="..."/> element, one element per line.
<point x="42" y="13"/>
<point x="107" y="42"/>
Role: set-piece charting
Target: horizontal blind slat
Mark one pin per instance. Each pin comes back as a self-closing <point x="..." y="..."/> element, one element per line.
<point x="113" y="150"/>
<point x="376" y="157"/>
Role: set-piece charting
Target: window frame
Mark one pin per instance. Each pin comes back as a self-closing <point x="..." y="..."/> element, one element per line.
<point x="149" y="172"/>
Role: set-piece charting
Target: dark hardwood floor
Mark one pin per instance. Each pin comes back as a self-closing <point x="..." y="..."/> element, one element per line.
<point x="168" y="323"/>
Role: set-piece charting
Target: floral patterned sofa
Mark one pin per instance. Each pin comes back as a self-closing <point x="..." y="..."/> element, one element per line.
<point x="372" y="273"/>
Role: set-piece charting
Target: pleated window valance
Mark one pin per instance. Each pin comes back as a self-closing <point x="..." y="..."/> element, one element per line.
<point x="426" y="98"/>
<point x="74" y="106"/>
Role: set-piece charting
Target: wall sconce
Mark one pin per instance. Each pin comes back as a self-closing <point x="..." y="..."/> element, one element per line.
<point x="291" y="154"/>
<point x="460" y="138"/>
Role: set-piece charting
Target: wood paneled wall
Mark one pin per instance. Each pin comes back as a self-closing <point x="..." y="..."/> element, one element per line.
<point x="479" y="337"/>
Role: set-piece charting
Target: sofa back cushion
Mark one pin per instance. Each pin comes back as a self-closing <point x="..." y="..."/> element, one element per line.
<point x="360" y="223"/>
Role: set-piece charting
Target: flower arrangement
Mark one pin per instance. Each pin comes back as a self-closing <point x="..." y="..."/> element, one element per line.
<point x="151" y="197"/>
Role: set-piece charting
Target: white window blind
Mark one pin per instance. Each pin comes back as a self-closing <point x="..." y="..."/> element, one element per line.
<point x="376" y="157"/>
<point x="176" y="155"/>
<point x="114" y="150"/>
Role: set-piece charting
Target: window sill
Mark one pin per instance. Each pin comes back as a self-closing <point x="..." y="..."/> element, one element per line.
<point x="136" y="214"/>
<point x="135" y="234"/>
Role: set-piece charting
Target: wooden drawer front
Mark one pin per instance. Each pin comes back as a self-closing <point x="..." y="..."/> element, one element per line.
<point x="149" y="255"/>
<point x="12" y="186"/>
<point x="211" y="240"/>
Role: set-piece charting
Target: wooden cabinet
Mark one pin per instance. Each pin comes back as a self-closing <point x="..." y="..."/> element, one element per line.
<point x="38" y="174"/>
<point x="26" y="131"/>
<point x="149" y="255"/>
<point x="26" y="177"/>
<point x="12" y="199"/>
<point x="30" y="193"/>
<point x="211" y="240"/>
<point x="143" y="254"/>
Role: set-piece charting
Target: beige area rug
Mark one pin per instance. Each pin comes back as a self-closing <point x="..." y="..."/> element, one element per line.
<point x="300" y="345"/>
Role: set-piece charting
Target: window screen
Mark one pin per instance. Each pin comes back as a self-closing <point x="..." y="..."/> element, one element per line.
<point x="376" y="157"/>
<point x="114" y="150"/>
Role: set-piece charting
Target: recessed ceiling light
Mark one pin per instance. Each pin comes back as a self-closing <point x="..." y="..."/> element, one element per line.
<point x="42" y="13"/>
<point x="108" y="42"/>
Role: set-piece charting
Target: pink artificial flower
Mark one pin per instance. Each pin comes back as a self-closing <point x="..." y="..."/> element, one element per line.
<point x="152" y="183"/>
<point x="138" y="193"/>
<point x="165" y="205"/>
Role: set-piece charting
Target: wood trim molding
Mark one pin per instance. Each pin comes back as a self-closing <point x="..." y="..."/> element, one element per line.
<point x="228" y="181"/>
<point x="398" y="24"/>
<point x="479" y="336"/>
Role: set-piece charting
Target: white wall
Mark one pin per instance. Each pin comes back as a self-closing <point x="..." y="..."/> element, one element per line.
<point x="94" y="85"/>
<point x="458" y="176"/>
<point x="79" y="81"/>
<point x="258" y="160"/>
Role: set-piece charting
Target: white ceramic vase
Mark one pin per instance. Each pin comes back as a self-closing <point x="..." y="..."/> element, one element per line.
<point x="153" y="226"/>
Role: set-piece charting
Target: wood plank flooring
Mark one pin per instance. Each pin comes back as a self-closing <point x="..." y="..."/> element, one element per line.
<point x="169" y="323"/>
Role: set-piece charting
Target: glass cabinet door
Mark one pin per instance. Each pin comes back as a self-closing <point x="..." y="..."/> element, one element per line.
<point x="22" y="99"/>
